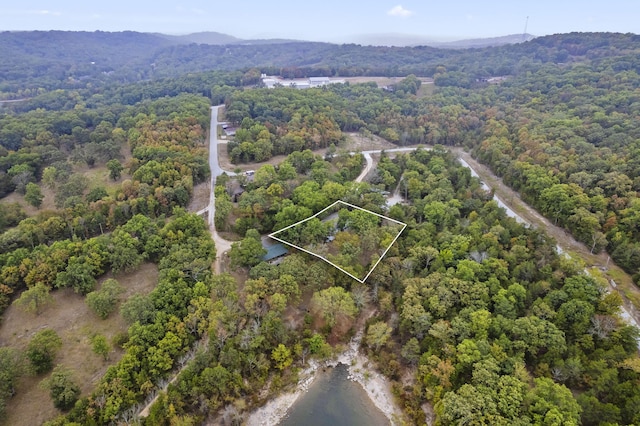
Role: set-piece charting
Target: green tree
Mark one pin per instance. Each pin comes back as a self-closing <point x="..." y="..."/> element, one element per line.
<point x="378" y="334"/>
<point x="411" y="351"/>
<point x="11" y="366"/>
<point x="310" y="196"/>
<point x="318" y="345"/>
<point x="552" y="403"/>
<point x="125" y="252"/>
<point x="100" y="346"/>
<point x="33" y="299"/>
<point x="97" y="193"/>
<point x="42" y="349"/>
<point x="21" y="175"/>
<point x="138" y="308"/>
<point x="333" y="303"/>
<point x="79" y="274"/>
<point x="115" y="169"/>
<point x="69" y="193"/>
<point x="63" y="390"/>
<point x="248" y="251"/>
<point x="33" y="195"/>
<point x="50" y="177"/>
<point x="469" y="405"/>
<point x="103" y="302"/>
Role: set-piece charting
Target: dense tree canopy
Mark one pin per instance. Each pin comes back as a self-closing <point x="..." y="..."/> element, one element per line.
<point x="474" y="312"/>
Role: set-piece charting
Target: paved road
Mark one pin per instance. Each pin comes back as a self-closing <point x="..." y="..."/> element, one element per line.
<point x="369" y="159"/>
<point x="222" y="245"/>
<point x="9" y="101"/>
<point x="216" y="170"/>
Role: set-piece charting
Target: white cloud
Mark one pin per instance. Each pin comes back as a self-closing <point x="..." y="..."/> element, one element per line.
<point x="44" y="12"/>
<point x="399" y="11"/>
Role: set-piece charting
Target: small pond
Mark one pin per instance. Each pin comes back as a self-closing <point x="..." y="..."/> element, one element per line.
<point x="333" y="399"/>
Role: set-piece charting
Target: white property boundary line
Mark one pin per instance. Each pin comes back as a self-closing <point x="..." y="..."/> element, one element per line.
<point x="404" y="225"/>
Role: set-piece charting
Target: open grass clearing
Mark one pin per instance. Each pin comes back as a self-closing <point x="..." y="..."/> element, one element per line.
<point x="354" y="142"/>
<point x="75" y="323"/>
<point x="96" y="176"/>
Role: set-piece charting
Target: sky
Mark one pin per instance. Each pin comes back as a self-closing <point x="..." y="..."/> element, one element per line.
<point x="327" y="20"/>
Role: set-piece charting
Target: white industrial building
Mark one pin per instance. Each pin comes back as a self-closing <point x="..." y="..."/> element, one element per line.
<point x="299" y="83"/>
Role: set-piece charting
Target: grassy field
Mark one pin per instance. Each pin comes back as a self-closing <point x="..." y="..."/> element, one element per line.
<point x="96" y="176"/>
<point x="70" y="317"/>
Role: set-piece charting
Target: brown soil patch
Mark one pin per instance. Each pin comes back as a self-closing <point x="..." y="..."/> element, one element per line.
<point x="229" y="236"/>
<point x="241" y="275"/>
<point x="200" y="198"/>
<point x="99" y="176"/>
<point x="47" y="202"/>
<point x="426" y="90"/>
<point x="70" y="317"/>
<point x="359" y="142"/>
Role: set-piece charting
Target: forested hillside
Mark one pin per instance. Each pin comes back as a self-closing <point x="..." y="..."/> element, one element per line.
<point x="96" y="229"/>
<point x="48" y="60"/>
<point x="470" y="312"/>
<point x="564" y="136"/>
<point x="41" y="61"/>
<point x="493" y="324"/>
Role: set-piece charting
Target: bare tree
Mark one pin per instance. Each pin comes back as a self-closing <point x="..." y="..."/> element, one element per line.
<point x="361" y="295"/>
<point x="602" y="325"/>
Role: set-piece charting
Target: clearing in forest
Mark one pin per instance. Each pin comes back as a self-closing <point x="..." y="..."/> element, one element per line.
<point x="348" y="237"/>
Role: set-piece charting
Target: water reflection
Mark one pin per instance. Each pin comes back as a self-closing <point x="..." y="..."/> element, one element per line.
<point x="335" y="400"/>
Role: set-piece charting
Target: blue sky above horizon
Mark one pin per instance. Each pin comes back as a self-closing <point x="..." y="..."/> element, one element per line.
<point x="328" y="20"/>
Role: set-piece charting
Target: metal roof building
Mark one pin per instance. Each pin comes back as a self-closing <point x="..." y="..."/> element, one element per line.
<point x="274" y="252"/>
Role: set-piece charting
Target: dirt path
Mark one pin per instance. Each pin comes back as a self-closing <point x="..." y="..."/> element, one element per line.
<point x="10" y="101"/>
<point x="222" y="246"/>
<point x="613" y="273"/>
<point x="367" y="168"/>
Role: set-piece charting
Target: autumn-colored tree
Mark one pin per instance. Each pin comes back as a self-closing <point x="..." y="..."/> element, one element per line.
<point x="281" y="355"/>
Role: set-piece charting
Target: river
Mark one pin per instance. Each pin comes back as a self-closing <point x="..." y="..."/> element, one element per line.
<point x="334" y="400"/>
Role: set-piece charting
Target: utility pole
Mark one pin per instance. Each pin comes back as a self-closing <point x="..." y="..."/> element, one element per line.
<point x="524" y="35"/>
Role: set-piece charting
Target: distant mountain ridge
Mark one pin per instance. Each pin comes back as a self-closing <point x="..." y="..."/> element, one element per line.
<point x="48" y="60"/>
<point x="410" y="40"/>
<point x="207" y="37"/>
<point x="398" y="40"/>
<point x="216" y="39"/>
<point x="484" y="42"/>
